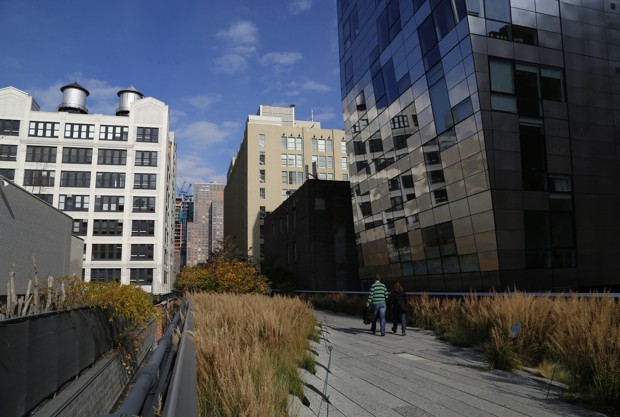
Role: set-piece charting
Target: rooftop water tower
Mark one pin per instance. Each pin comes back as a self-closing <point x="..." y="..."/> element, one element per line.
<point x="127" y="96"/>
<point x="74" y="98"/>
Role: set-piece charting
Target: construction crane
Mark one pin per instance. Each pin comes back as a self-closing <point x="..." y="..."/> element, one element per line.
<point x="183" y="192"/>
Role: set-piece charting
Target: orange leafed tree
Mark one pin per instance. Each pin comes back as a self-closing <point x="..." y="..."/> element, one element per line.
<point x="227" y="270"/>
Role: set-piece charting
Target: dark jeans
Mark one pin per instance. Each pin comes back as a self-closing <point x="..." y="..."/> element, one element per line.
<point x="402" y="318"/>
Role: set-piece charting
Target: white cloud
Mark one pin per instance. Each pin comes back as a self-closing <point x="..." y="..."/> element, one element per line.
<point x="176" y="115"/>
<point x="240" y="33"/>
<point x="202" y="134"/>
<point x="103" y="97"/>
<point x="279" y="60"/>
<point x="298" y="88"/>
<point x="241" y="40"/>
<point x="203" y="101"/>
<point x="194" y="169"/>
<point x="323" y="114"/>
<point x="230" y="63"/>
<point x="299" y="6"/>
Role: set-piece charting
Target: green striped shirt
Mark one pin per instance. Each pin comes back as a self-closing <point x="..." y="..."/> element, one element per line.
<point x="378" y="293"/>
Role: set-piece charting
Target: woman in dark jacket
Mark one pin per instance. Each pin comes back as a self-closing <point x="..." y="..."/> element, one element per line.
<point x="398" y="300"/>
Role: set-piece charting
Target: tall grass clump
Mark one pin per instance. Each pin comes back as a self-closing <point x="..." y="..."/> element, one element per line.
<point x="249" y="348"/>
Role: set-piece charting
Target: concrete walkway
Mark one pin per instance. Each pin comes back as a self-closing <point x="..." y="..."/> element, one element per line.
<point x="416" y="375"/>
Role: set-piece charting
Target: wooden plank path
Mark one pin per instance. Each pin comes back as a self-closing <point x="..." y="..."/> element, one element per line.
<point x="416" y="375"/>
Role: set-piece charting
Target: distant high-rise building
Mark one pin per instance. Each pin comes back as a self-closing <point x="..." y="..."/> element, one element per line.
<point x="184" y="214"/>
<point x="270" y="164"/>
<point x="483" y="137"/>
<point x="114" y="174"/>
<point x="206" y="230"/>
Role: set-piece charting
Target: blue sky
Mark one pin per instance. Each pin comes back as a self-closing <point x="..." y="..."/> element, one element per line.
<point x="212" y="61"/>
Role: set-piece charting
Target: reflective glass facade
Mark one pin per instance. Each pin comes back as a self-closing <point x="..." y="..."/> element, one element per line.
<point x="484" y="141"/>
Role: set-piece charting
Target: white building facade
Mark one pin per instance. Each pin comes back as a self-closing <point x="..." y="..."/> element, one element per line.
<point x="114" y="174"/>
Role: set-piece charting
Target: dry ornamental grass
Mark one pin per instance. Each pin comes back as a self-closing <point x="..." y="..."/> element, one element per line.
<point x="248" y="350"/>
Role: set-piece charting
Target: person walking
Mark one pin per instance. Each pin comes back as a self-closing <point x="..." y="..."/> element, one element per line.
<point x="377" y="297"/>
<point x="398" y="301"/>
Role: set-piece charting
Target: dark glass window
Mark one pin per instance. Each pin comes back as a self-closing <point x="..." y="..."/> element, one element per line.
<point x="499" y="30"/>
<point x="394" y="184"/>
<point x="142" y="252"/>
<point x="400" y="142"/>
<point x="427" y="35"/>
<point x="432" y="157"/>
<point x="38" y="177"/>
<point x="440" y="196"/>
<point x="498" y="10"/>
<point x="141" y="276"/>
<point x="105" y="274"/>
<point x="146" y="158"/>
<point x="107" y="228"/>
<point x="436" y="176"/>
<point x="75" y="179"/>
<point x="525" y="35"/>
<point x="143" y="227"/>
<point x="366" y="209"/>
<point x="8" y="152"/>
<point x="397" y="202"/>
<point x="375" y="145"/>
<point x="444" y="18"/>
<point x="109" y="203"/>
<point x="359" y="148"/>
<point x="145" y="181"/>
<point x="9" y="127"/>
<point x="147" y="134"/>
<point x="442" y="111"/>
<point x="112" y="157"/>
<point x="407" y="181"/>
<point x="70" y="202"/>
<point x="80" y="227"/>
<point x="41" y="154"/>
<point x="533" y="156"/>
<point x="48" y="198"/>
<point x="110" y="180"/>
<point x="9" y="174"/>
<point x="77" y="155"/>
<point x="107" y="252"/>
<point x="552" y="83"/>
<point x="144" y="204"/>
<point x="462" y="110"/>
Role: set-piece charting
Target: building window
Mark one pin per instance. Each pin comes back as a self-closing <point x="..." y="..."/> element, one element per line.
<point x="146" y="158"/>
<point x="144" y="204"/>
<point x="75" y="179"/>
<point x="298" y="161"/>
<point x="9" y="174"/>
<point x="343" y="146"/>
<point x="44" y="129"/>
<point x="285" y="194"/>
<point x="440" y="196"/>
<point x="290" y="143"/>
<point x="110" y="180"/>
<point x="343" y="163"/>
<point x="143" y="228"/>
<point x="105" y="274"/>
<point x="80" y="227"/>
<point x="38" y="177"/>
<point x="142" y="252"/>
<point x="321" y="145"/>
<point x="345" y="177"/>
<point x="8" y="152"/>
<point x="300" y="178"/>
<point x="145" y="181"/>
<point x="298" y="144"/>
<point x="77" y="155"/>
<point x="112" y="157"/>
<point x="283" y="143"/>
<point x="141" y="276"/>
<point x="322" y="176"/>
<point x="41" y="154"/>
<point x="261" y="140"/>
<point x="283" y="159"/>
<point x="261" y="193"/>
<point x="322" y="161"/>
<point x="291" y="160"/>
<point x="330" y="176"/>
<point x="330" y="162"/>
<point x="107" y="252"/>
<point x="399" y="122"/>
<point x="48" y="198"/>
<point x="375" y="145"/>
<point x="70" y="202"/>
<point x="291" y="178"/>
<point x="107" y="228"/>
<point x="9" y="127"/>
<point x="261" y="212"/>
<point x="109" y="203"/>
<point x="79" y="131"/>
<point x="261" y="175"/>
<point x="261" y="158"/>
<point x="148" y="134"/>
<point x="119" y="133"/>
<point x="284" y="177"/>
<point x="315" y="146"/>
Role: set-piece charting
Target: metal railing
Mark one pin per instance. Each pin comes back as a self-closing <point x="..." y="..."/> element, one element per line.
<point x="477" y="294"/>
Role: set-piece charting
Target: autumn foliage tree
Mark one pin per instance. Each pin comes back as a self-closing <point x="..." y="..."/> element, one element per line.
<point x="227" y="270"/>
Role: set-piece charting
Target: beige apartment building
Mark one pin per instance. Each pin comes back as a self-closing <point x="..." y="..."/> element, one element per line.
<point x="273" y="160"/>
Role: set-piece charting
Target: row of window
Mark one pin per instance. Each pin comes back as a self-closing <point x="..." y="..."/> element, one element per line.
<point x="69" y="202"/>
<point x="137" y="276"/>
<point x="79" y="131"/>
<point x="78" y="155"/>
<point x="114" y="227"/>
<point x="114" y="252"/>
<point x="46" y="178"/>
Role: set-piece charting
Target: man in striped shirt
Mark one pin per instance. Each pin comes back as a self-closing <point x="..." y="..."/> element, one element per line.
<point x="377" y="297"/>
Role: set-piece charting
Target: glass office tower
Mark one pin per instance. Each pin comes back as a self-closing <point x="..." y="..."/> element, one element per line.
<point x="484" y="141"/>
